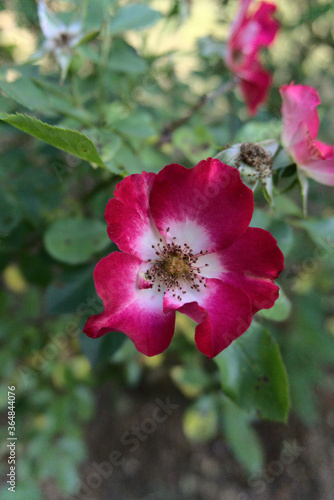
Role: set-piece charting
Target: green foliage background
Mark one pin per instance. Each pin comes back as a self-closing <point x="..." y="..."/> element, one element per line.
<point x="149" y="65"/>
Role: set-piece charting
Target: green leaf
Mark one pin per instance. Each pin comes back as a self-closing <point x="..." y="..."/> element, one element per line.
<point x="321" y="232"/>
<point x="9" y="214"/>
<point x="26" y="93"/>
<point x="191" y="380"/>
<point x="282" y="160"/>
<point x="125" y="59"/>
<point x="66" y="472"/>
<point x="74" y="241"/>
<point x="37" y="95"/>
<point x="280" y="311"/>
<point x="137" y="125"/>
<point x="73" y="447"/>
<point x="241" y="437"/>
<point x="23" y="491"/>
<point x="133" y="17"/>
<point x="194" y="142"/>
<point x="128" y="161"/>
<point x="253" y="374"/>
<point x="286" y="206"/>
<point x="200" y="421"/>
<point x="71" y="141"/>
<point x="37" y="268"/>
<point x="103" y="348"/>
<point x="153" y="160"/>
<point x="111" y="147"/>
<point x="283" y="233"/>
<point x="261" y="219"/>
<point x="70" y="290"/>
<point x="310" y="16"/>
<point x="255" y="131"/>
<point x="109" y="345"/>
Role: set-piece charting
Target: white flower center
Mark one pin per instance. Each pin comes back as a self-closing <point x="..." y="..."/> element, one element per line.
<point x="175" y="265"/>
<point x="63" y="39"/>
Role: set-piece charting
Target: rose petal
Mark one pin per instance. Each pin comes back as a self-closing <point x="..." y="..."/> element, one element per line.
<point x="130" y="224"/>
<point x="254" y="87"/>
<point x="252" y="264"/>
<point x="299" y="103"/>
<point x="326" y="150"/>
<point x="223" y="314"/>
<point x="320" y="170"/>
<point x="210" y="199"/>
<point x="248" y="34"/>
<point x="268" y="26"/>
<point x="137" y="312"/>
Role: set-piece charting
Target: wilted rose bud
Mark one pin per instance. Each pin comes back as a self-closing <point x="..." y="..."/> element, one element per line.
<point x="254" y="162"/>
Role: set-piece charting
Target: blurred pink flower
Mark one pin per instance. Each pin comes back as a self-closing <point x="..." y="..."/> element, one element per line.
<point x="185" y="246"/>
<point x="250" y="32"/>
<point x="313" y="158"/>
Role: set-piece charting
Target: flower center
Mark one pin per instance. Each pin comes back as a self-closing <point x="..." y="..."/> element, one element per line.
<point x="63" y="39"/>
<point x="175" y="265"/>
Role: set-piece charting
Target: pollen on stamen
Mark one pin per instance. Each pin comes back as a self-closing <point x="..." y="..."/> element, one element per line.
<point x="175" y="265"/>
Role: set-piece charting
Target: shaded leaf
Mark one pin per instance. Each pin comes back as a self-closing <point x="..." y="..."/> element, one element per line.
<point x="69" y="291"/>
<point x="200" y="421"/>
<point x="75" y="240"/>
<point x="101" y="349"/>
<point x="253" y="374"/>
<point x="280" y="311"/>
<point x="321" y="232"/>
<point x="133" y="17"/>
<point x="125" y="59"/>
<point x="9" y="214"/>
<point x="138" y="125"/>
<point x="241" y="437"/>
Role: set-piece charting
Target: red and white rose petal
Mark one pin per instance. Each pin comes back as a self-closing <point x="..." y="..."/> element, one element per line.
<point x="252" y="264"/>
<point x="137" y="312"/>
<point x="223" y="312"/>
<point x="130" y="223"/>
<point x="193" y="201"/>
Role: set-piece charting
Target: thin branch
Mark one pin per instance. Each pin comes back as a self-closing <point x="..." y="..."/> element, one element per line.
<point x="167" y="132"/>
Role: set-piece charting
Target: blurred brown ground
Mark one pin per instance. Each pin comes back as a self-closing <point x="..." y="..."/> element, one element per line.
<point x="165" y="466"/>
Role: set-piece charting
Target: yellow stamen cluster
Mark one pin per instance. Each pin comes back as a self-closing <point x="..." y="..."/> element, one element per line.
<point x="175" y="266"/>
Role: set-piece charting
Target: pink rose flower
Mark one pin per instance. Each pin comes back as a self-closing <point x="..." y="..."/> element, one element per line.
<point x="249" y="33"/>
<point x="185" y="246"/>
<point x="313" y="158"/>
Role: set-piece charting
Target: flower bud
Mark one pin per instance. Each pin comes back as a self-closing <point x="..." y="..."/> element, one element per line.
<point x="253" y="160"/>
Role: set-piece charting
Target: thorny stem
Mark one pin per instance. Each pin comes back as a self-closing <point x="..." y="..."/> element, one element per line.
<point x="204" y="99"/>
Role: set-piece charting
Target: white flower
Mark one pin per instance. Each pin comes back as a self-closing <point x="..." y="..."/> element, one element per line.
<point x="60" y="39"/>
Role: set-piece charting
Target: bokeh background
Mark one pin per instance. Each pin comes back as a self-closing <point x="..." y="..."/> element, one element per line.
<point x="77" y="399"/>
